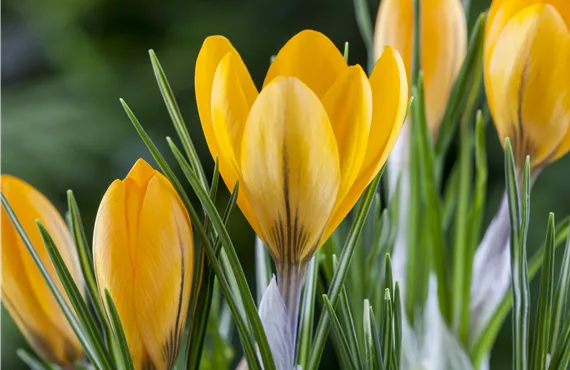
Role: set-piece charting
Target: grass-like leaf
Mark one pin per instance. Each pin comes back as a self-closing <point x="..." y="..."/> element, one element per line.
<point x="177" y="119"/>
<point x="308" y="311"/>
<point x="561" y="298"/>
<point x="341" y="335"/>
<point x="340" y="275"/>
<point x="119" y="333"/>
<point x="369" y="346"/>
<point x="377" y="341"/>
<point x="519" y="277"/>
<point x="76" y="298"/>
<point x="561" y="357"/>
<point x="35" y="363"/>
<point x="542" y="326"/>
<point x="388" y="335"/>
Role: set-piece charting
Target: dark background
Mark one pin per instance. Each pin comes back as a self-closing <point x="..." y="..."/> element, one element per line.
<point x="65" y="64"/>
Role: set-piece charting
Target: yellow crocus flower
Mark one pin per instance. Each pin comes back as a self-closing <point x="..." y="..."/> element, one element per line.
<point x="143" y="253"/>
<point x="527" y="76"/>
<point x="443" y="45"/>
<point x="305" y="147"/>
<point x="25" y="294"/>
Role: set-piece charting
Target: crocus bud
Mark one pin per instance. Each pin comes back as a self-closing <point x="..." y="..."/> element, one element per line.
<point x="143" y="254"/>
<point x="527" y="74"/>
<point x="25" y="294"/>
<point x="443" y="45"/>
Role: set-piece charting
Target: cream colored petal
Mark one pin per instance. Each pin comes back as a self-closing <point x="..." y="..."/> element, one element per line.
<point x="290" y="167"/>
<point x="389" y="100"/>
<point x="349" y="107"/>
<point x="312" y="58"/>
<point x="527" y="90"/>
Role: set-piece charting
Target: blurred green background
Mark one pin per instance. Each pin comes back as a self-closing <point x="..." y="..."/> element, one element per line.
<point x="65" y="63"/>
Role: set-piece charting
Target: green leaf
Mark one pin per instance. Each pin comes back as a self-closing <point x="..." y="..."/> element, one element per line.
<point x="417" y="46"/>
<point x="433" y="209"/>
<point x="560" y="300"/>
<point x="485" y="342"/>
<point x="377" y="341"/>
<point x="177" y="119"/>
<point x="388" y="336"/>
<point x="84" y="252"/>
<point x="262" y="268"/>
<point x="397" y="311"/>
<point x="35" y="363"/>
<point x="561" y="357"/>
<point x="519" y="277"/>
<point x="369" y="347"/>
<point x="119" y="333"/>
<point x="366" y="29"/>
<point x="308" y="311"/>
<point x="464" y="83"/>
<point x="341" y="335"/>
<point x="75" y="297"/>
<point x="542" y="335"/>
<point x="246" y="339"/>
<point x="340" y="275"/>
<point x="475" y="219"/>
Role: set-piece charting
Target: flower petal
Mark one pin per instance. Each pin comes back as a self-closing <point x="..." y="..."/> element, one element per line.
<point x="444" y="30"/>
<point x="502" y="11"/>
<point x="312" y="58"/>
<point x="290" y="168"/>
<point x="230" y="107"/>
<point x="19" y="297"/>
<point x="114" y="264"/>
<point x="163" y="269"/>
<point x="529" y="64"/>
<point x="389" y="99"/>
<point x="349" y="107"/>
<point x="30" y="205"/>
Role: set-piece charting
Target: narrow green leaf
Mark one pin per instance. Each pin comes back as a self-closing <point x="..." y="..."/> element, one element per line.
<point x="245" y="337"/>
<point x="464" y="83"/>
<point x="417" y="46"/>
<point x="519" y="278"/>
<point x="177" y="119"/>
<point x="308" y="311"/>
<point x="366" y="29"/>
<point x="345" y="52"/>
<point x="84" y="252"/>
<point x="35" y="363"/>
<point x="75" y="297"/>
<point x="340" y="275"/>
<point x="542" y="324"/>
<point x="341" y="335"/>
<point x="561" y="298"/>
<point x="347" y="319"/>
<point x="262" y="268"/>
<point x="397" y="308"/>
<point x="475" y="220"/>
<point x="119" y="333"/>
<point x="369" y="348"/>
<point x="484" y="343"/>
<point x="433" y="207"/>
<point x="561" y="357"/>
<point x="377" y="341"/>
<point x="388" y="332"/>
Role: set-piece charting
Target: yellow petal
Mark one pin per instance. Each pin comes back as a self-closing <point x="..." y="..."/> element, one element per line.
<point x="349" y="107"/>
<point x="502" y="11"/>
<point x="290" y="167"/>
<point x="143" y="254"/>
<point x="163" y="274"/>
<point x="312" y="58"/>
<point x="527" y="87"/>
<point x="20" y="299"/>
<point x="216" y="106"/>
<point x="28" y="297"/>
<point x="444" y="40"/>
<point x="114" y="265"/>
<point x="389" y="101"/>
<point x="564" y="146"/>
